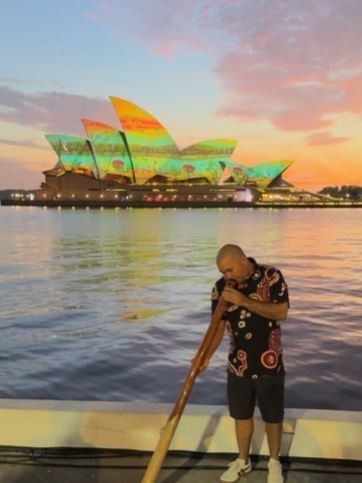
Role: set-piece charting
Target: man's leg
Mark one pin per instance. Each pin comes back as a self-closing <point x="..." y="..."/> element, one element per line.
<point x="271" y="405"/>
<point x="242" y="465"/>
<point x="270" y="392"/>
<point x="274" y="437"/>
<point x="244" y="432"/>
<point x="241" y="398"/>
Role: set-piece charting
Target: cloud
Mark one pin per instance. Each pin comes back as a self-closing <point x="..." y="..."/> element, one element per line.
<point x="158" y="24"/>
<point x="53" y="112"/>
<point x="15" y="80"/>
<point x="324" y="138"/>
<point x="289" y="62"/>
<point x="26" y="143"/>
<point x="293" y="71"/>
<point x="21" y="81"/>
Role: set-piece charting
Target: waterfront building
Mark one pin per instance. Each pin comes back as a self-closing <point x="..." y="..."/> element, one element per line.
<point x="141" y="160"/>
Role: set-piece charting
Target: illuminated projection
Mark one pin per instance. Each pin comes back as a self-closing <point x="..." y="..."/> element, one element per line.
<point x="236" y="171"/>
<point x="149" y="142"/>
<point x="110" y="151"/>
<point x="201" y="161"/>
<point x="74" y="154"/>
<point x="142" y="151"/>
<point x="263" y="174"/>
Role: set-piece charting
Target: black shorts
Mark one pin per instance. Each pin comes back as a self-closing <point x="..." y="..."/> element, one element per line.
<point x="267" y="391"/>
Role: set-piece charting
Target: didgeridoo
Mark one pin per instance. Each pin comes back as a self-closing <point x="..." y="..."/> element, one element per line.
<point x="168" y="431"/>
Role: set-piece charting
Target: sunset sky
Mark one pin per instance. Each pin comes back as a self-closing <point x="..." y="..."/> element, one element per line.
<point x="283" y="77"/>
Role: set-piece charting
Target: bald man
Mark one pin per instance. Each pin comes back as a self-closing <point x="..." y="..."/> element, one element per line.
<point x="258" y="302"/>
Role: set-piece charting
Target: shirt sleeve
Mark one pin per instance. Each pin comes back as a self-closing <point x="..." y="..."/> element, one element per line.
<point x="279" y="290"/>
<point x="215" y="295"/>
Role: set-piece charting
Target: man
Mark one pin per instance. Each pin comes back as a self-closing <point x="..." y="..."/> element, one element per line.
<point x="257" y="303"/>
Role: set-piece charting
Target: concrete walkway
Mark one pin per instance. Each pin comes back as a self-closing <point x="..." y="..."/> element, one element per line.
<point x="85" y="466"/>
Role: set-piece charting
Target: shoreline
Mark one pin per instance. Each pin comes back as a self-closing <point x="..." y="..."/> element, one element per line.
<point x="74" y="203"/>
<point x="307" y="433"/>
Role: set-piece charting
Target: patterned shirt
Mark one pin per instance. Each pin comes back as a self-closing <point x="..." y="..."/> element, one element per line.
<point x="255" y="341"/>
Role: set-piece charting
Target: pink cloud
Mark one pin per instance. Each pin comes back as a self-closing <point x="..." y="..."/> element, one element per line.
<point x="293" y="71"/>
<point x="324" y="138"/>
<point x="290" y="62"/>
<point x="158" y="24"/>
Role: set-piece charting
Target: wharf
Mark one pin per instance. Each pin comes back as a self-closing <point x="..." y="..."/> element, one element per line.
<point x="50" y="441"/>
<point x="86" y="204"/>
<point x="29" y="465"/>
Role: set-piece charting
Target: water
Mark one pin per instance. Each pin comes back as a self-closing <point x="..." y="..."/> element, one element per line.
<point x="113" y="304"/>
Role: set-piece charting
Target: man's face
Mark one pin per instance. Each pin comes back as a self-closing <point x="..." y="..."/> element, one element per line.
<point x="234" y="268"/>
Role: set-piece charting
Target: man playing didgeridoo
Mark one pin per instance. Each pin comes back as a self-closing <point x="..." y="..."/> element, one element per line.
<point x="258" y="303"/>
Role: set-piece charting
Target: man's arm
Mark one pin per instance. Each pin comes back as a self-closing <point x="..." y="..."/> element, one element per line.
<point x="269" y="310"/>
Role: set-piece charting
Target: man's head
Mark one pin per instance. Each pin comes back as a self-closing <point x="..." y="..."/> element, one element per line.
<point x="233" y="263"/>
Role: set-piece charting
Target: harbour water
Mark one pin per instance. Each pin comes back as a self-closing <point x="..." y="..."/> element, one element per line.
<point x="113" y="304"/>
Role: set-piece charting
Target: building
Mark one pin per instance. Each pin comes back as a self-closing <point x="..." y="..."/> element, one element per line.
<point x="141" y="160"/>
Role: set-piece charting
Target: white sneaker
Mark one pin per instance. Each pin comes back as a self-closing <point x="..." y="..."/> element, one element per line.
<point x="275" y="471"/>
<point x="236" y="469"/>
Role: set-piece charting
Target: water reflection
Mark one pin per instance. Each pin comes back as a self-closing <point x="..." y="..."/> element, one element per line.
<point x="113" y="304"/>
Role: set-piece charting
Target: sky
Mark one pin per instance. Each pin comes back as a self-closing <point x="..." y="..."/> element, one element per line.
<point x="282" y="77"/>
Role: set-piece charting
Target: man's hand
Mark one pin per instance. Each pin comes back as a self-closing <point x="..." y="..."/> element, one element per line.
<point x="204" y="365"/>
<point x="235" y="297"/>
<point x="270" y="310"/>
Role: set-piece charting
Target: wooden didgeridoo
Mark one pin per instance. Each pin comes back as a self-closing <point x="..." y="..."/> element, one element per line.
<point x="168" y="431"/>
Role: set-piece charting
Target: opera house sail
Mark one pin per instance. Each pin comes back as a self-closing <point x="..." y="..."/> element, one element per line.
<point x="141" y="153"/>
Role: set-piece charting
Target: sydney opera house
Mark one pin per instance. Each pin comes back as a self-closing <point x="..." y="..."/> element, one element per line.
<point x="140" y="160"/>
